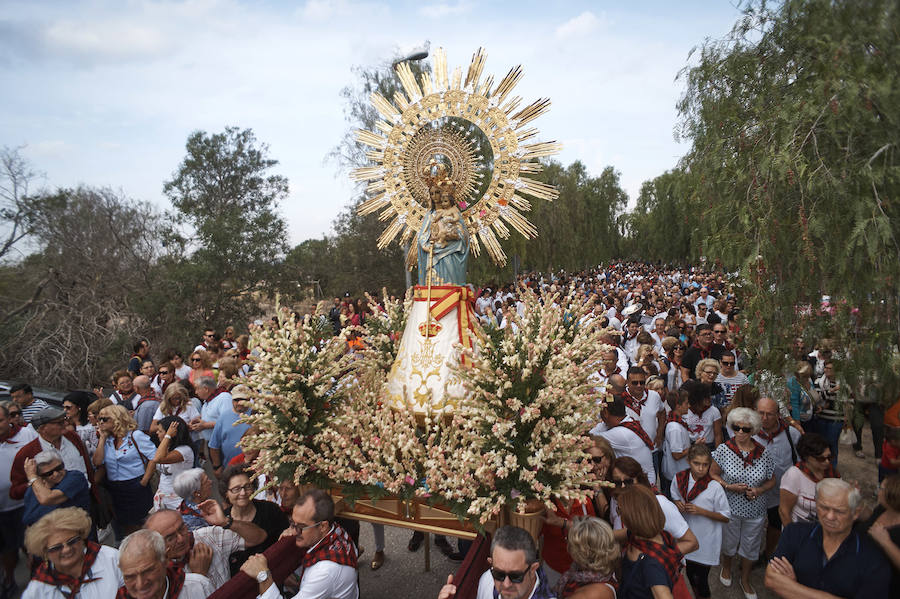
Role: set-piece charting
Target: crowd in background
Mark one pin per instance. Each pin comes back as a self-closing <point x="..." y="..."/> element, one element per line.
<point x="704" y="470"/>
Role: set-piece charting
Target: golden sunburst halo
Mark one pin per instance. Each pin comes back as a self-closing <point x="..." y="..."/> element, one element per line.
<point x="417" y="126"/>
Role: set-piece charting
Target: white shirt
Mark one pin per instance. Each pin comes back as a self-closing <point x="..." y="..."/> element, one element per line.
<point x="105" y="568"/>
<point x="648" y="416"/>
<point x="676" y="525"/>
<point x="8" y="451"/>
<point x="72" y="458"/>
<point x="701" y="426"/>
<point x="196" y="586"/>
<point x="626" y="443"/>
<point x="780" y="450"/>
<point x="323" y="580"/>
<point x="486" y="586"/>
<point x="223" y="543"/>
<point x="677" y="439"/>
<point x="707" y="531"/>
<point x="165" y="494"/>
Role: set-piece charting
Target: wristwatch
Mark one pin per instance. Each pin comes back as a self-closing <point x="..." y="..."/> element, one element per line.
<point x="262" y="576"/>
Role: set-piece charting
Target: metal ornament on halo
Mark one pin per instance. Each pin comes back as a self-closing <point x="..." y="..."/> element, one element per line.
<point x="416" y="127"/>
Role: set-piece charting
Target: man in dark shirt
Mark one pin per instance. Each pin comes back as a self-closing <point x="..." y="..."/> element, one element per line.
<point x="828" y="558"/>
<point x="701" y="349"/>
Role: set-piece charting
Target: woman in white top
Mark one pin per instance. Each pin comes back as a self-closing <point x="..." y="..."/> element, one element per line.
<point x="705" y="507"/>
<point x="797" y="495"/>
<point x="174" y="455"/>
<point x="703" y="419"/>
<point x="677" y="439"/>
<point x="176" y="402"/>
<point x="72" y="566"/>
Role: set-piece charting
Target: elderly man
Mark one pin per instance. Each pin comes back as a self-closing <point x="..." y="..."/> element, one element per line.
<point x="145" y="407"/>
<point x="701" y="349"/>
<point x="224" y="535"/>
<point x="828" y="558"/>
<point x="224" y="444"/>
<point x="329" y="565"/>
<point x="147" y="574"/>
<point x="50" y="424"/>
<point x="515" y="569"/>
<point x="781" y="441"/>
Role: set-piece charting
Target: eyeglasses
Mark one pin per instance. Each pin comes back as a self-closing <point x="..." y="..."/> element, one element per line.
<point x="14" y="413"/>
<point x="210" y="335"/>
<point x="163" y="372"/>
<point x="53" y="471"/>
<point x="743" y="429"/>
<point x="729" y="363"/>
<point x="679" y="347"/>
<point x="104" y="419"/>
<point x="514" y="577"/>
<point x="598" y="459"/>
<point x="179" y="532"/>
<point x="301" y="528"/>
<point x="196" y="360"/>
<point x="624" y="483"/>
<point x="719" y="332"/>
<point x="74" y="541"/>
<point x="637" y="383"/>
<point x="248" y="488"/>
<point x="821" y="458"/>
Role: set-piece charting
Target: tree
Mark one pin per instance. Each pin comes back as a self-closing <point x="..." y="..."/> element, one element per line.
<point x="662" y="224"/>
<point x="223" y="191"/>
<point x="94" y="249"/>
<point x="794" y="119"/>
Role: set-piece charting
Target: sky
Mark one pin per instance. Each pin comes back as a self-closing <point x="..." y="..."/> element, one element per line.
<point x="106" y="93"/>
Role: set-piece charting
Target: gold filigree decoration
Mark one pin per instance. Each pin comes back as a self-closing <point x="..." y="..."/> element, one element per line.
<point x="426" y="105"/>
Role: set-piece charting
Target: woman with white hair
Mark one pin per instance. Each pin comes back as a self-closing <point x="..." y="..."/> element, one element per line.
<point x="73" y="566"/>
<point x="194" y="487"/>
<point x="746" y="471"/>
<point x="52" y="486"/>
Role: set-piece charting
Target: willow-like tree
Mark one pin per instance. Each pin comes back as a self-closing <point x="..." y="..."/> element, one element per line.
<point x="795" y="120"/>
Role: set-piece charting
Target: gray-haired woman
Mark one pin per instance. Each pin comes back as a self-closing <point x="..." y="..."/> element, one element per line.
<point x="51" y="486"/>
<point x="746" y="471"/>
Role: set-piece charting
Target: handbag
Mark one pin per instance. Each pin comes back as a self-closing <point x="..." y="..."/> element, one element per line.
<point x="153" y="484"/>
<point x="847" y="437"/>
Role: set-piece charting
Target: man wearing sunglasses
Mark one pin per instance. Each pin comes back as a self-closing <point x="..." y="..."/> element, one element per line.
<point x="515" y="570"/>
<point x="329" y="564"/>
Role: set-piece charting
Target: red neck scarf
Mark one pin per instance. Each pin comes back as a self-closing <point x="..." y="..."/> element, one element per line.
<point x="46" y="574"/>
<point x="830" y="471"/>
<point x="151" y="396"/>
<point x="215" y="394"/>
<point x="683" y="478"/>
<point x="762" y="434"/>
<point x="336" y="546"/>
<point x="13" y="431"/>
<point x="751" y="457"/>
<point x="633" y="403"/>
<point x="666" y="554"/>
<point x="175" y="576"/>
<point x="704" y="353"/>
<point x="638" y="430"/>
<point x="674" y="418"/>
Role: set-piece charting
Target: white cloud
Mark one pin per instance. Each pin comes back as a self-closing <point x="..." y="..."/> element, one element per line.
<point x="441" y="10"/>
<point x="109" y="39"/>
<point x="583" y="24"/>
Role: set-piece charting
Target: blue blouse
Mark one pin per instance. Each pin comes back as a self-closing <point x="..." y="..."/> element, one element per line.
<point x="126" y="463"/>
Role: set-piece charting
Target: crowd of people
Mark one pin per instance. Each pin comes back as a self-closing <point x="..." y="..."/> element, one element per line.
<point x="703" y="470"/>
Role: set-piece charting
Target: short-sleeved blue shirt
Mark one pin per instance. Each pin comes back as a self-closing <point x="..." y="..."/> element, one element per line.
<point x="227" y="434"/>
<point x="857" y="569"/>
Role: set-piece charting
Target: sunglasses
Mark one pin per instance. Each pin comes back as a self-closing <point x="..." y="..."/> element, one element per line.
<point x="625" y="483"/>
<point x="724" y="363"/>
<point x="820" y="458"/>
<point x="164" y="372"/>
<point x="50" y="473"/>
<point x="74" y="541"/>
<point x="104" y="419"/>
<point x="196" y="360"/>
<point x="514" y="577"/>
<point x="679" y="347"/>
<point x="743" y="429"/>
<point x="598" y="459"/>
<point x="14" y="414"/>
<point x="637" y="383"/>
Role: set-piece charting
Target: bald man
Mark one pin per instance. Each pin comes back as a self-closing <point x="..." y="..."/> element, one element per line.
<point x="144" y="407"/>
<point x="781" y="440"/>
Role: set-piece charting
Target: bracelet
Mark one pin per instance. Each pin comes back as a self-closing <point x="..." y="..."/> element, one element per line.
<point x="169" y="437"/>
<point x="31" y="481"/>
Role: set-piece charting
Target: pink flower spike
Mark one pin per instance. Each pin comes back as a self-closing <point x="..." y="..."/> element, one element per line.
<point x="410" y="480"/>
<point x="463" y="205"/>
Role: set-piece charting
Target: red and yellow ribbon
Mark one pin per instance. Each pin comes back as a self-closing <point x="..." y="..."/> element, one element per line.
<point x="443" y="299"/>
